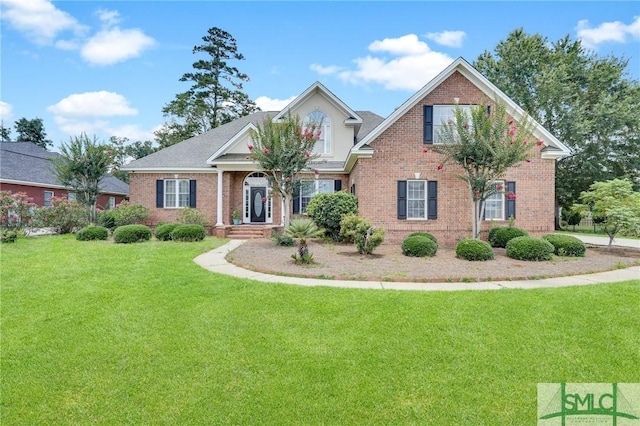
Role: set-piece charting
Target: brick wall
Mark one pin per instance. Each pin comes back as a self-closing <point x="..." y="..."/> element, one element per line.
<point x="398" y="155"/>
<point x="37" y="193"/>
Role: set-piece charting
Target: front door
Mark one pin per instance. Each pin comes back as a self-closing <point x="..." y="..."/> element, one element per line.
<point x="257" y="206"/>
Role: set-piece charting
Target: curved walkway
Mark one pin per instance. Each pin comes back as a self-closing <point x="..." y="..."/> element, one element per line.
<point x="215" y="261"/>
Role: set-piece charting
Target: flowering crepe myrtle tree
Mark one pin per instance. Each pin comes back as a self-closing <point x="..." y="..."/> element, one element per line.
<point x="485" y="145"/>
<point x="283" y="149"/>
<point x="80" y="166"/>
<point x="15" y="209"/>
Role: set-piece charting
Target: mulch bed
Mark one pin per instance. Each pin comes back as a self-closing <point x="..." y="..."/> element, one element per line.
<point x="339" y="261"/>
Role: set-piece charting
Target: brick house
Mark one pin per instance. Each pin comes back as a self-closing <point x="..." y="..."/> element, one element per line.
<point x="381" y="161"/>
<point x="26" y="167"/>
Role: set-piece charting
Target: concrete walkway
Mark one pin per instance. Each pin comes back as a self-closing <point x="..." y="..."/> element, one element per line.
<point x="215" y="261"/>
<point x="604" y="241"/>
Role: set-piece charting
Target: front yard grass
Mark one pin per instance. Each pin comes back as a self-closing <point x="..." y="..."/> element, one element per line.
<point x="94" y="332"/>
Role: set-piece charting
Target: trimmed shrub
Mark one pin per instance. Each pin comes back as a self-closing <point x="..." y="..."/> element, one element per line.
<point x="191" y="216"/>
<point x="419" y="245"/>
<point x="188" y="233"/>
<point x="472" y="249"/>
<point x="163" y="231"/>
<point x="424" y="234"/>
<point x="92" y="232"/>
<point x="280" y="239"/>
<point x="131" y="234"/>
<point x="366" y="236"/>
<point x="327" y="209"/>
<point x="566" y="245"/>
<point x="8" y="236"/>
<point x="107" y="219"/>
<point x="529" y="248"/>
<point x="499" y="237"/>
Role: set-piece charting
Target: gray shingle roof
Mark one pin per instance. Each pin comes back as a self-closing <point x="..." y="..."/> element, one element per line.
<point x="194" y="152"/>
<point x="27" y="162"/>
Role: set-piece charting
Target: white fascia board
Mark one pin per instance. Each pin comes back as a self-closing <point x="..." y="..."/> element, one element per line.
<point x="354" y="118"/>
<point x="171" y="170"/>
<point x="231" y="142"/>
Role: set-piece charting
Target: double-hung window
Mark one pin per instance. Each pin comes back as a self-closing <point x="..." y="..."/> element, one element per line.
<point x="311" y="188"/>
<point x="494" y="204"/>
<point x="442" y="114"/>
<point x="48" y="195"/>
<point x="176" y="193"/>
<point x="416" y="199"/>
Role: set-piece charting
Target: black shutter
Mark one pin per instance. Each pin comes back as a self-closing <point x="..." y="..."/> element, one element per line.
<point x="192" y="193"/>
<point x="159" y="193"/>
<point x="353" y="189"/>
<point x="428" y="124"/>
<point x="511" y="204"/>
<point x="296" y="197"/>
<point x="402" y="199"/>
<point x="488" y="109"/>
<point x="432" y="199"/>
<point x="337" y="185"/>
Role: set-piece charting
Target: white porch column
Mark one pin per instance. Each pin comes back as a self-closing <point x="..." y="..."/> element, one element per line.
<point x="219" y="222"/>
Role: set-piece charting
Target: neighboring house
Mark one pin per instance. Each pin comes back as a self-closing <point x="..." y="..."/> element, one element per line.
<point x="381" y="161"/>
<point x="26" y="167"/>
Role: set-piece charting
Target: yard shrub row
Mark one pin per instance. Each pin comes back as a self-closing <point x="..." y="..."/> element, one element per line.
<point x="180" y="232"/>
<point x="499" y="237"/>
<point x="131" y="234"/>
<point x="163" y="231"/>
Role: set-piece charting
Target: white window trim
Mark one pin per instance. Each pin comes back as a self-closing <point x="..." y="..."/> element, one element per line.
<point x="111" y="203"/>
<point x="425" y="200"/>
<point x="316" y="191"/>
<point x="439" y="122"/>
<point x="325" y="133"/>
<point x="177" y="194"/>
<point x="502" y="202"/>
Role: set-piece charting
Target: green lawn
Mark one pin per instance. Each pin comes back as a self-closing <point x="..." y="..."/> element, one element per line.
<point x="94" y="332"/>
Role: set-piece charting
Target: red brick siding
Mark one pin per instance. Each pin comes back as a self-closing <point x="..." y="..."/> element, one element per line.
<point x="37" y="193"/>
<point x="398" y="155"/>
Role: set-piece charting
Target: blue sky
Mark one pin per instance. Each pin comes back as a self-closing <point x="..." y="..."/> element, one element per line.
<point x="108" y="68"/>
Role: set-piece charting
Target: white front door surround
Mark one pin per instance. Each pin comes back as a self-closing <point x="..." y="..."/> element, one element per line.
<point x="257" y="206"/>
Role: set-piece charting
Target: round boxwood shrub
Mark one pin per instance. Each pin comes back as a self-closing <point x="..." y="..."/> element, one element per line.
<point x="188" y="233"/>
<point x="131" y="234"/>
<point x="566" y="245"/>
<point x="419" y="246"/>
<point x="529" y="248"/>
<point x="163" y="231"/>
<point x="424" y="234"/>
<point x="499" y="237"/>
<point x="472" y="249"/>
<point x="327" y="210"/>
<point x="92" y="233"/>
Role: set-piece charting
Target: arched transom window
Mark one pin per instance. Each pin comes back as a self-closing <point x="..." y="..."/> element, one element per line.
<point x="323" y="145"/>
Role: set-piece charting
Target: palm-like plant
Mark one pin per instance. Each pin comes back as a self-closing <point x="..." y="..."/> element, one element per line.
<point x="302" y="230"/>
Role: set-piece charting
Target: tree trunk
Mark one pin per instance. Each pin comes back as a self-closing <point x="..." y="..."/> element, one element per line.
<point x="285" y="216"/>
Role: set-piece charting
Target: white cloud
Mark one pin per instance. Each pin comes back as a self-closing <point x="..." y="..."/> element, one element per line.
<point x="412" y="67"/>
<point x="115" y="45"/>
<point x="617" y="32"/>
<point x="332" y="69"/>
<point x="39" y="20"/>
<point x="6" y="111"/>
<point x="93" y="104"/>
<point x="448" y="38"/>
<point x="267" y="104"/>
<point x="108" y="17"/>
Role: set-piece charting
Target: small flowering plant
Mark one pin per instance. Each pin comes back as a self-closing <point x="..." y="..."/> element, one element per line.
<point x="16" y="210"/>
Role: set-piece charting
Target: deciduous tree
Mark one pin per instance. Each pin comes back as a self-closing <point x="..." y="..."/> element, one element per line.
<point x="616" y="204"/>
<point x="484" y="145"/>
<point x="80" y="166"/>
<point x="586" y="101"/>
<point x="283" y="149"/>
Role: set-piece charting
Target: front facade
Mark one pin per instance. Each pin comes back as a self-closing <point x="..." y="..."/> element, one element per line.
<point x="383" y="162"/>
